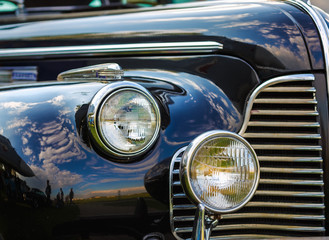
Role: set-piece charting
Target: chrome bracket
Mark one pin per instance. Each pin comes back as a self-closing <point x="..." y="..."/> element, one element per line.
<point x="203" y="224"/>
<point x="102" y="72"/>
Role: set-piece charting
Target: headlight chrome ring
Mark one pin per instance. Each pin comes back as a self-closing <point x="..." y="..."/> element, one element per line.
<point x="124" y="119"/>
<point x="220" y="170"/>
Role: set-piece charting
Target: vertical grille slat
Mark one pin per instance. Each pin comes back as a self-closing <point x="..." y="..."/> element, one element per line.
<point x="283" y="127"/>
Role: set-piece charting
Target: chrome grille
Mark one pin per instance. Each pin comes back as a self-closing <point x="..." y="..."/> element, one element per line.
<point x="282" y="126"/>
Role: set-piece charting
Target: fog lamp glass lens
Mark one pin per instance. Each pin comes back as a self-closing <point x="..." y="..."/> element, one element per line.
<point x="127" y="121"/>
<point x="223" y="173"/>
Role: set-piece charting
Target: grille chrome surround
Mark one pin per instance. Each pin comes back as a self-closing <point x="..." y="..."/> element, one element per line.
<point x="286" y="137"/>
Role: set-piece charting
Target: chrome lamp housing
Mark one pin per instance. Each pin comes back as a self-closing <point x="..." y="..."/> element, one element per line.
<point x="219" y="172"/>
<point x="124" y="119"/>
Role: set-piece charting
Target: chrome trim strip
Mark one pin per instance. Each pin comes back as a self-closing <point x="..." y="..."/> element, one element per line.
<point x="258" y="226"/>
<point x="185" y="218"/>
<point x="291" y="182"/>
<point x="290" y="89"/>
<point x="172" y="207"/>
<point x="289" y="194"/>
<point x="289" y="159"/>
<point x="270" y="227"/>
<point x="286" y="205"/>
<point x="184" y="207"/>
<point x="286" y="147"/>
<point x="282" y="135"/>
<point x="283" y="124"/>
<point x="283" y="113"/>
<point x="290" y="78"/>
<point x="259" y="215"/>
<point x="323" y="31"/>
<point x="285" y="101"/>
<point x="180" y="195"/>
<point x="249" y="236"/>
<point x="113" y="49"/>
<point x="291" y="170"/>
<point x="177" y="183"/>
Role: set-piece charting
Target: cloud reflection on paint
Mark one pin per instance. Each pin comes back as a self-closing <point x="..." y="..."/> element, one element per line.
<point x="54" y="142"/>
<point x="58" y="178"/>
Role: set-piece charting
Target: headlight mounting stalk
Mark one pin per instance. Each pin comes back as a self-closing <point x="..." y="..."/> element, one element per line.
<point x="204" y="223"/>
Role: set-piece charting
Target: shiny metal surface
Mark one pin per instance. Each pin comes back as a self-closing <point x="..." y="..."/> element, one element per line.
<point x="259" y="236"/>
<point x="284" y="124"/>
<point x="287" y="205"/>
<point x="290" y="159"/>
<point x="288" y="113"/>
<point x="283" y="135"/>
<point x="199" y="224"/>
<point x="114" y="49"/>
<point x="258" y="215"/>
<point x="172" y="207"/>
<point x="291" y="170"/>
<point x="290" y="194"/>
<point x="286" y="140"/>
<point x="252" y="99"/>
<point x="93" y="118"/>
<point x="100" y="72"/>
<point x="259" y="226"/>
<point x="287" y="147"/>
<point x="290" y="89"/>
<point x="188" y="157"/>
<point x="203" y="225"/>
<point x="286" y="101"/>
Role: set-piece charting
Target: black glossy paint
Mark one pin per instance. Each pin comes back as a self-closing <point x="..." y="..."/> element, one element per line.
<point x="47" y="128"/>
<point x="45" y="125"/>
<point x="310" y="33"/>
<point x="260" y="33"/>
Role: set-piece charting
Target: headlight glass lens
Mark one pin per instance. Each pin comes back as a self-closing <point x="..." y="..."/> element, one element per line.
<point x="128" y="121"/>
<point x="223" y="173"/>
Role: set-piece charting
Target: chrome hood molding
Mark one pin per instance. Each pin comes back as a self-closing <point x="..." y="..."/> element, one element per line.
<point x="113" y="49"/>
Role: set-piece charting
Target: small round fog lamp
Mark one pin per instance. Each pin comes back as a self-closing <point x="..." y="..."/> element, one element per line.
<point x="220" y="170"/>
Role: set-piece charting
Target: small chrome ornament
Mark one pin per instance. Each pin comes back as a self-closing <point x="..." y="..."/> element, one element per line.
<point x="100" y="72"/>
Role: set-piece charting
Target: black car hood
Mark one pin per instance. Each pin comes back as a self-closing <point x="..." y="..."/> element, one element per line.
<point x="268" y="35"/>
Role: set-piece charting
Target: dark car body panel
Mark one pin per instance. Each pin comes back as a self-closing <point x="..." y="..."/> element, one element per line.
<point x="251" y="35"/>
<point x="46" y="122"/>
<point x="57" y="146"/>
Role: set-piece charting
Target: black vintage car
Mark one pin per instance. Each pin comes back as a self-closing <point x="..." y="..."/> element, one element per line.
<point x="164" y="120"/>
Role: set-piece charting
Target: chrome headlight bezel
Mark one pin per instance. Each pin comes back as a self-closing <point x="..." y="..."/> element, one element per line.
<point x="96" y="106"/>
<point x="188" y="157"/>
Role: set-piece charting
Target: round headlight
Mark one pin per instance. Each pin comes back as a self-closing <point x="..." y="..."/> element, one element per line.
<point x="220" y="170"/>
<point x="127" y="119"/>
